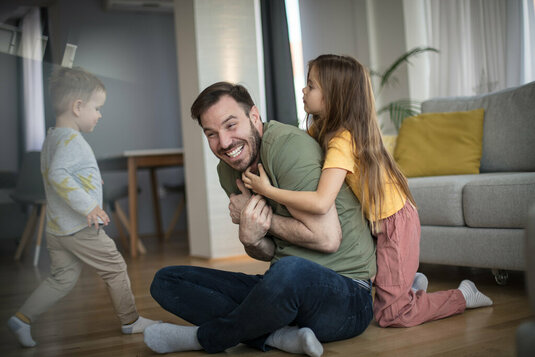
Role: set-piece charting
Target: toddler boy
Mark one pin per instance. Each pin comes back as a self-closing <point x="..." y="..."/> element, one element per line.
<point x="73" y="188"/>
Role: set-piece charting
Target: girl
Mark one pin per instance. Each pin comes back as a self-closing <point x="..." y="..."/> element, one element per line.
<point x="339" y="98"/>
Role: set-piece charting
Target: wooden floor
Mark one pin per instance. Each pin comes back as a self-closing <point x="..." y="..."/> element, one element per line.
<point x="84" y="324"/>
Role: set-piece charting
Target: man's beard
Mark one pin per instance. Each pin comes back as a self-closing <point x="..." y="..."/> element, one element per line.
<point x="254" y="143"/>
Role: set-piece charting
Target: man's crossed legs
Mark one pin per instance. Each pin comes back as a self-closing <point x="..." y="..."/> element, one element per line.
<point x="228" y="308"/>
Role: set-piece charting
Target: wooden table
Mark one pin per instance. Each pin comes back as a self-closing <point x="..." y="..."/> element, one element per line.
<point x="138" y="159"/>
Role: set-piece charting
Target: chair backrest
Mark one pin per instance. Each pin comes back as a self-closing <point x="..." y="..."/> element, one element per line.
<point x="8" y="179"/>
<point x="30" y="188"/>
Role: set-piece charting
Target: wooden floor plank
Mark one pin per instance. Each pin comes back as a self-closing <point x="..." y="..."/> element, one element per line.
<point x="84" y="323"/>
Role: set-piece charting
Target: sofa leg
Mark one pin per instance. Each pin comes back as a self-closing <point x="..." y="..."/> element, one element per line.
<point x="501" y="276"/>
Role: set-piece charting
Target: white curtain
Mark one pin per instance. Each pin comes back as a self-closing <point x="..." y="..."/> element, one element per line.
<point x="32" y="54"/>
<point x="528" y="37"/>
<point x="485" y="45"/>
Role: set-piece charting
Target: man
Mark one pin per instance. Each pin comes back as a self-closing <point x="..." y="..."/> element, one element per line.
<point x="317" y="287"/>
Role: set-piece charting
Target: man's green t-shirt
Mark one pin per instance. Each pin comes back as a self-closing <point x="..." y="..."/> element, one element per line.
<point x="293" y="161"/>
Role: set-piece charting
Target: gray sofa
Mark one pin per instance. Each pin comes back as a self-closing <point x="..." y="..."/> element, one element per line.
<point x="479" y="220"/>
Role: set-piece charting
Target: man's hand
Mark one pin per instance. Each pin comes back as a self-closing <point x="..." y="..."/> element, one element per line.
<point x="255" y="221"/>
<point x="238" y="201"/>
<point x="95" y="214"/>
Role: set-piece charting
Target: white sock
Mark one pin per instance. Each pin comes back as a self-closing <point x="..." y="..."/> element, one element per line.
<point x="22" y="331"/>
<point x="297" y="340"/>
<point x="138" y="326"/>
<point x="420" y="282"/>
<point x="474" y="298"/>
<point x="165" y="338"/>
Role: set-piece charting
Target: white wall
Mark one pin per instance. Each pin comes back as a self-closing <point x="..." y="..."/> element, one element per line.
<point x="419" y="71"/>
<point x="372" y="31"/>
<point x="336" y="26"/>
<point x="217" y="41"/>
<point x="387" y="42"/>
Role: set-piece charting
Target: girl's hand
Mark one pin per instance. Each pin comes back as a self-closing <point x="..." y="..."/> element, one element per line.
<point x="258" y="183"/>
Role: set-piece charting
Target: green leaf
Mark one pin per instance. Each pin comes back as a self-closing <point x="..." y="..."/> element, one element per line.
<point x="386" y="76"/>
<point x="399" y="110"/>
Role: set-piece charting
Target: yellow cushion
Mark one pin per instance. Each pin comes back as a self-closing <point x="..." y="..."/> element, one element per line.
<point x="433" y="144"/>
<point x="390" y="143"/>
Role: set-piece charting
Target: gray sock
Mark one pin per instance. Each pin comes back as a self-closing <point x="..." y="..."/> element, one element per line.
<point x="297" y="340"/>
<point x="166" y="338"/>
<point x="22" y="331"/>
<point x="420" y="282"/>
<point x="138" y="326"/>
<point x="474" y="298"/>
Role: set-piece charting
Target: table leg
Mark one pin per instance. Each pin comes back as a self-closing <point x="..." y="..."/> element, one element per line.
<point x="156" y="203"/>
<point x="132" y="202"/>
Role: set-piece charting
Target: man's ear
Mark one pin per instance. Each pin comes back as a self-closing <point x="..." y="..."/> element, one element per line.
<point x="254" y="114"/>
<point x="77" y="107"/>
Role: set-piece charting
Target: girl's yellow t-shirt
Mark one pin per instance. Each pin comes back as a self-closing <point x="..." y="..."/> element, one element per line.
<point x="340" y="155"/>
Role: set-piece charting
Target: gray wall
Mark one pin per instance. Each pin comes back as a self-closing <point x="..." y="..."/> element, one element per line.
<point x="8" y="117"/>
<point x="134" y="54"/>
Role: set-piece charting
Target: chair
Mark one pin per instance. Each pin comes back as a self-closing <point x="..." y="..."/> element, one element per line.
<point x="178" y="211"/>
<point x="29" y="190"/>
<point x="111" y="197"/>
<point x="8" y="179"/>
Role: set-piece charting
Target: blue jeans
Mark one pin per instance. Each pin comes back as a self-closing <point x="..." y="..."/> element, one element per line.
<point x="232" y="308"/>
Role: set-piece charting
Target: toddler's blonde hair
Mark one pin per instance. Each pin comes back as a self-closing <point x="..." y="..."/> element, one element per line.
<point x="67" y="85"/>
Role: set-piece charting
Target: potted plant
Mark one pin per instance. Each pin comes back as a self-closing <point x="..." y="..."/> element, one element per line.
<point x="400" y="109"/>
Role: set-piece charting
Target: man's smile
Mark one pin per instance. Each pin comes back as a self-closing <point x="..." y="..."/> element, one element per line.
<point x="235" y="152"/>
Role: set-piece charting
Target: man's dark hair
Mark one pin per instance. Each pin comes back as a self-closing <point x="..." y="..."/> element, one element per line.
<point x="213" y="93"/>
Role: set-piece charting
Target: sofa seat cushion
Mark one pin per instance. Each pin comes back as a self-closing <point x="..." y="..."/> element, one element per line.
<point x="493" y="248"/>
<point x="439" y="198"/>
<point x="499" y="200"/>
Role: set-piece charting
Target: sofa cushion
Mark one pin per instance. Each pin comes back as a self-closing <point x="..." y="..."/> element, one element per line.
<point x="435" y="144"/>
<point x="508" y="130"/>
<point x="473" y="247"/>
<point x="499" y="200"/>
<point x="439" y="199"/>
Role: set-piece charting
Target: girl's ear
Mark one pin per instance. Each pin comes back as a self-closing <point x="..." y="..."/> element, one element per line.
<point x="77" y="107"/>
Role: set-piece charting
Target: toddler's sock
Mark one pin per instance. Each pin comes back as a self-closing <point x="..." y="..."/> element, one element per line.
<point x="296" y="340"/>
<point x="420" y="282"/>
<point x="22" y="331"/>
<point x="474" y="298"/>
<point x="166" y="338"/>
<point x="138" y="326"/>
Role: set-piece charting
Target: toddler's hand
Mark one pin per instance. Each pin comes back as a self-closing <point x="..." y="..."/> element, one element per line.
<point x="95" y="214"/>
<point x="258" y="183"/>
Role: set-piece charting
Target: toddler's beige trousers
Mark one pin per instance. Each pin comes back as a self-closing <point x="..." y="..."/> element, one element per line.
<point x="67" y="254"/>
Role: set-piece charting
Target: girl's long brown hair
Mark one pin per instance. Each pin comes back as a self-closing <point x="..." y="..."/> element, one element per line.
<point x="350" y="105"/>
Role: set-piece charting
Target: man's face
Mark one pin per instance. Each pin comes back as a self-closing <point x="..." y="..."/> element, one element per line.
<point x="233" y="136"/>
